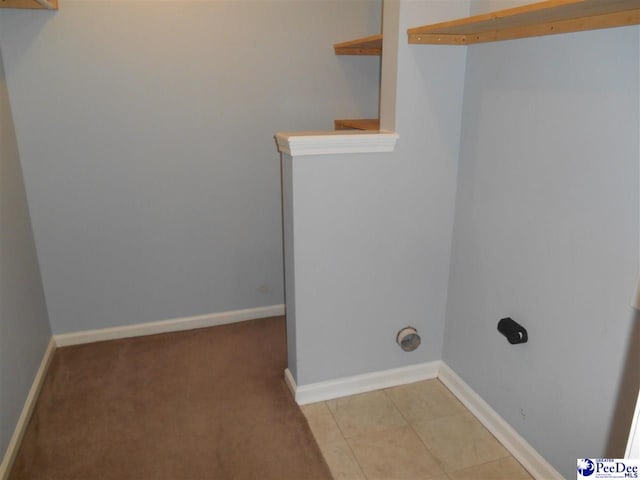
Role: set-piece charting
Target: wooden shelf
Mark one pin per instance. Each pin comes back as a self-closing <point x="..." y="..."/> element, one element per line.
<point x="533" y="20"/>
<point x="31" y="4"/>
<point x="362" y="46"/>
<point x="357" y="124"/>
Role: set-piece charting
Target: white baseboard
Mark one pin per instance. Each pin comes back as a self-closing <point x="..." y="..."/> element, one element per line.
<point x="27" y="410"/>
<point x="521" y="450"/>
<point x="164" y="326"/>
<point x="342" y="387"/>
<point x="88" y="336"/>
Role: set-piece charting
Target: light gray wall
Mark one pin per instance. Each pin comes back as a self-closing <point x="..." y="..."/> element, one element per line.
<point x="483" y="6"/>
<point x="422" y="180"/>
<point x="546" y="232"/>
<point x="289" y="266"/>
<point x="372" y="232"/>
<point x="24" y="326"/>
<point x="146" y="135"/>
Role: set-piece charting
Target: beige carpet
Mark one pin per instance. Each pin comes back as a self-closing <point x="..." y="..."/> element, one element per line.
<point x="202" y="404"/>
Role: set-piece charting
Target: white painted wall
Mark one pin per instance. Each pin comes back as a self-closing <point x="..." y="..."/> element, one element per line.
<point x="483" y="6"/>
<point x="547" y="232"/>
<point x="24" y="326"/>
<point x="146" y="134"/>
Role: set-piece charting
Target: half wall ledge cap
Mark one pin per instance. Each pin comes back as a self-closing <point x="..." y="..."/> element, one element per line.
<point x="336" y="142"/>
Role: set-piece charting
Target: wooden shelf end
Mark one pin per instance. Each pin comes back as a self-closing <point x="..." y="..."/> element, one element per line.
<point x="372" y="124"/>
<point x="30" y="4"/>
<point x="362" y="46"/>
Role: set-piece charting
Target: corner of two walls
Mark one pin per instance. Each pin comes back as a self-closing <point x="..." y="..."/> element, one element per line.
<point x="24" y="325"/>
<point x="545" y="152"/>
<point x="373" y="256"/>
<point x="427" y="114"/>
<point x="545" y="195"/>
<point x="148" y="157"/>
<point x="546" y="232"/>
<point x="421" y="99"/>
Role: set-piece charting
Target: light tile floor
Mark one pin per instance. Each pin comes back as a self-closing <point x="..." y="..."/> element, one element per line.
<point x="418" y="431"/>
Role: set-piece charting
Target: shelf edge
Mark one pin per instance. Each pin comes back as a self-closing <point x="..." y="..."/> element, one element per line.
<point x="597" y="22"/>
<point x="30" y="4"/>
<point x="371" y="45"/>
<point x="48" y="4"/>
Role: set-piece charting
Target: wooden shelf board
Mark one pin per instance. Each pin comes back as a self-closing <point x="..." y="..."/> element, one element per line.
<point x="30" y="4"/>
<point x="358" y="124"/>
<point x="533" y="20"/>
<point x="361" y="46"/>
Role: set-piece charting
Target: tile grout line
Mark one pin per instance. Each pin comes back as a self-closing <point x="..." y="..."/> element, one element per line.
<point x="508" y="454"/>
<point x="353" y="454"/>
<point x="326" y="404"/>
<point x="445" y="472"/>
<point x="415" y="432"/>
<point x="485" y="428"/>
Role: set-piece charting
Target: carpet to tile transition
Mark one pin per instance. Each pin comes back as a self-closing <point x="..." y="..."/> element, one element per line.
<point x="201" y="404"/>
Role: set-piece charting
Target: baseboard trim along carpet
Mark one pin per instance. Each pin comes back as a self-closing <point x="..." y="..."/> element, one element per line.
<point x="27" y="410"/>
<point x="521" y="450"/>
<point x="206" y="403"/>
<point x="165" y="326"/>
<point x="342" y="387"/>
